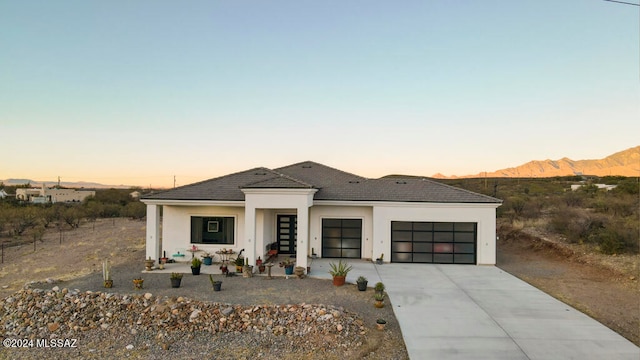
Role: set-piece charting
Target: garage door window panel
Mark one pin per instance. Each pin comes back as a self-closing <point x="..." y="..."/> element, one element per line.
<point x="433" y="242"/>
<point x="342" y="238"/>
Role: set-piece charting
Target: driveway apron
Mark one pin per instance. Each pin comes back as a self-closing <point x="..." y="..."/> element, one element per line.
<point x="482" y="312"/>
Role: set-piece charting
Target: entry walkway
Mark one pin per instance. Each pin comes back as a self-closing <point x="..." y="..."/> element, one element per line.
<point x="482" y="312"/>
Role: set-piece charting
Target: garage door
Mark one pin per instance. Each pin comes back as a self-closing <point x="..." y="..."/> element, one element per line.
<point x="342" y="238"/>
<point x="433" y="242"/>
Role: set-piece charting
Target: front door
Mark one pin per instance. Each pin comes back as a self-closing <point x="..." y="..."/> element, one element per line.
<point x="287" y="233"/>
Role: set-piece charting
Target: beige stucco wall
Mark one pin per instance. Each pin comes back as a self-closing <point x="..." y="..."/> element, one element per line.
<point x="342" y="212"/>
<point x="376" y="222"/>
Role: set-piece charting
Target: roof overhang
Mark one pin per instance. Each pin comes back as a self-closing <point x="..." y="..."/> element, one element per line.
<point x="192" y="202"/>
<point x="405" y="204"/>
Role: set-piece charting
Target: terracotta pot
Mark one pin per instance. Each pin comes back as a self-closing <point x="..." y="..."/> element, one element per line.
<point x="108" y="284"/>
<point x="137" y="284"/>
<point x="339" y="280"/>
<point x="379" y="304"/>
<point x="148" y="264"/>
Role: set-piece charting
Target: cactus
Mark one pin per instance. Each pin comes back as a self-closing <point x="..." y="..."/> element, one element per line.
<point x="106" y="270"/>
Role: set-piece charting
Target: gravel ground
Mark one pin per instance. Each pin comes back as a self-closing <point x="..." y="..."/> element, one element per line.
<point x="131" y="340"/>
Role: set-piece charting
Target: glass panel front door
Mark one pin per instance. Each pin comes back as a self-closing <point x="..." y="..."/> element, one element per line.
<point x="287" y="233"/>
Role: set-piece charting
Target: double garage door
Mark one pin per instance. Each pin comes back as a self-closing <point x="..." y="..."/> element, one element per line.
<point x="433" y="242"/>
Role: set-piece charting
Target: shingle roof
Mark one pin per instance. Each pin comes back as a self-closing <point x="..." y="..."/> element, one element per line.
<point x="332" y="184"/>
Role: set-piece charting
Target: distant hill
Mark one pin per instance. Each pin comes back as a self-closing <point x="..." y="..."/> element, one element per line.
<point x="623" y="163"/>
<point x="66" y="184"/>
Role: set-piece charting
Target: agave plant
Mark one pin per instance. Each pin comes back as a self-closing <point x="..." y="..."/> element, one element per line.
<point x="340" y="269"/>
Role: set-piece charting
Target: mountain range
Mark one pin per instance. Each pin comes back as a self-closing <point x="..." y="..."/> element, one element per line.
<point x="623" y="163"/>
<point x="65" y="184"/>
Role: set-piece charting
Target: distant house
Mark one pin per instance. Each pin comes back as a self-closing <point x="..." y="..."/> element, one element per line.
<point x="135" y="194"/>
<point x="308" y="208"/>
<point x="3" y="194"/>
<point x="599" y="186"/>
<point x="45" y="195"/>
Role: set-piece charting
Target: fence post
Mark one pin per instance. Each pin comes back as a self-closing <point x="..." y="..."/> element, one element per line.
<point x="2" y="252"/>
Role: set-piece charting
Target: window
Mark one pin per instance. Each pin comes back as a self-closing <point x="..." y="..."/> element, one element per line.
<point x="212" y="230"/>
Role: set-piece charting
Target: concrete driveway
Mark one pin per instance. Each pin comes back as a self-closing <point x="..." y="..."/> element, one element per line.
<point x="482" y="312"/>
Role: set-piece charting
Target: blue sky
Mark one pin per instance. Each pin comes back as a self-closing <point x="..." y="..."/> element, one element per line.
<point x="135" y="92"/>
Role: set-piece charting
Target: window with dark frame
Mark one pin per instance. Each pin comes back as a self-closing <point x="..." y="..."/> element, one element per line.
<point x="212" y="230"/>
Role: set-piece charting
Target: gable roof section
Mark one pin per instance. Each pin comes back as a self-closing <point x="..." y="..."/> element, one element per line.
<point x="281" y="181"/>
<point x="332" y="184"/>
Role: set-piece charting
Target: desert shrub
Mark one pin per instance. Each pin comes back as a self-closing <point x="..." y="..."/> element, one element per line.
<point x="514" y="206"/>
<point x="110" y="210"/>
<point x="135" y="210"/>
<point x="589" y="189"/>
<point x="72" y="215"/>
<point x="573" y="199"/>
<point x="628" y="186"/>
<point x="574" y="224"/>
<point x="533" y="208"/>
<point x="608" y="241"/>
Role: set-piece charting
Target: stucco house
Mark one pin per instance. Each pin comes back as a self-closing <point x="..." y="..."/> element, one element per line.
<point x="309" y="207"/>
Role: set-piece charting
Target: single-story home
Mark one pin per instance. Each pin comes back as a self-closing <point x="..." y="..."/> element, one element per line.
<point x="309" y="208"/>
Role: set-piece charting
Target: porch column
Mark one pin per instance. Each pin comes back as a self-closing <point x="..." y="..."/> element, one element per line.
<point x="153" y="242"/>
<point x="250" y="233"/>
<point x="302" y="246"/>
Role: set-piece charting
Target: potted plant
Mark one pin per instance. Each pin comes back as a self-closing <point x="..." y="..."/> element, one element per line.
<point x="379" y="261"/>
<point x="379" y="288"/>
<point x="379" y="300"/>
<point x="224" y="269"/>
<point x="260" y="265"/>
<point x="362" y="283"/>
<point x="106" y="275"/>
<point x="217" y="284"/>
<point x="247" y="270"/>
<point x="287" y="264"/>
<point x="164" y="259"/>
<point x="207" y="258"/>
<point x="339" y="272"/>
<point x="380" y="323"/>
<point x="148" y="264"/>
<point x="239" y="262"/>
<point x="137" y="283"/>
<point x="176" y="278"/>
<point x="195" y="266"/>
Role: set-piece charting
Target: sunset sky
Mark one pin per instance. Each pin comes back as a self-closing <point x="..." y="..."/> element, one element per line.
<point x="135" y="92"/>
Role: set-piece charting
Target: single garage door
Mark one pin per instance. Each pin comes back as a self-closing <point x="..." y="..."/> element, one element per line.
<point x="341" y="238"/>
<point x="433" y="242"/>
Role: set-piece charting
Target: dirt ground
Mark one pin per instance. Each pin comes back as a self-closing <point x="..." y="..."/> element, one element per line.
<point x="77" y="263"/>
<point x="604" y="287"/>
